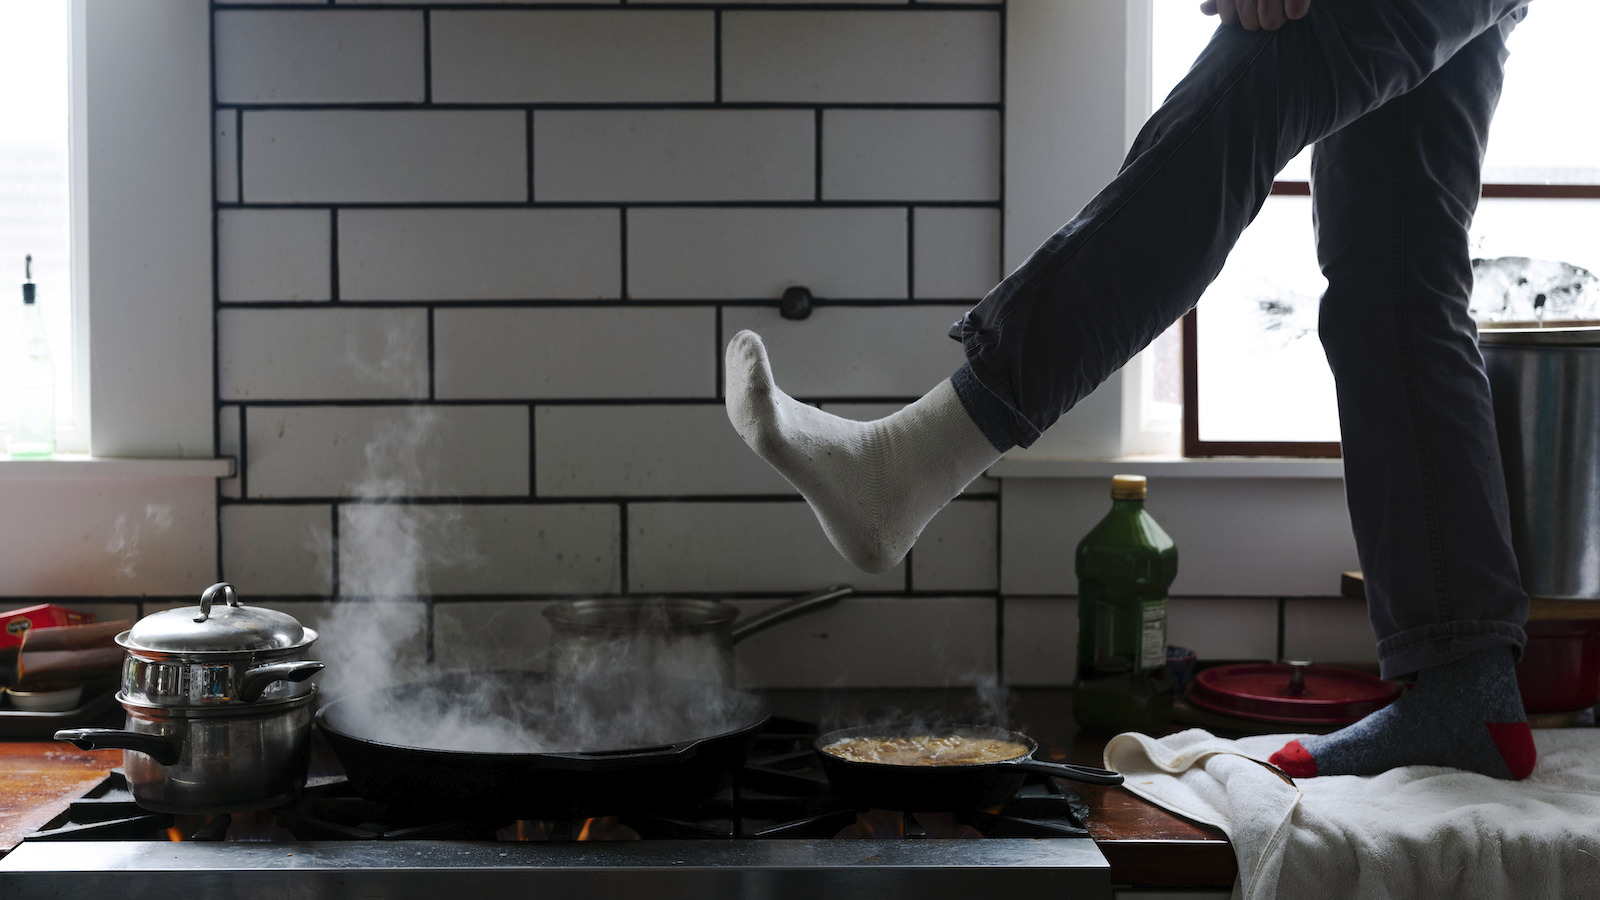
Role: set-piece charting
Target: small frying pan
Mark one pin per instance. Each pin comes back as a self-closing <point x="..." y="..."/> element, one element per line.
<point x="915" y="788"/>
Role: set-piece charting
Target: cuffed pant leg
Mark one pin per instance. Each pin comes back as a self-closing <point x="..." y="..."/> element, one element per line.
<point x="1141" y="253"/>
<point x="1393" y="195"/>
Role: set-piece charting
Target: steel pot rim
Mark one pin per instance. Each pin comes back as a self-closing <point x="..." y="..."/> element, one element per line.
<point x="258" y="709"/>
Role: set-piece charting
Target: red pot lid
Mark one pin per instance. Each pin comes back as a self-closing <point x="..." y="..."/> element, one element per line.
<point x="1265" y="691"/>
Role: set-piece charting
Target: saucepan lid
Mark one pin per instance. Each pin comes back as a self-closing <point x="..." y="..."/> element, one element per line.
<point x="228" y="627"/>
<point x="1293" y="692"/>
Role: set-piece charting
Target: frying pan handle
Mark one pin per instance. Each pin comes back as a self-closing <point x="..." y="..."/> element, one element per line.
<point x="631" y="756"/>
<point x="163" y="750"/>
<point x="783" y="612"/>
<point x="1085" y="774"/>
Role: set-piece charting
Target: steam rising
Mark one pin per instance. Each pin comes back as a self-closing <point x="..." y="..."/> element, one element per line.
<point x="528" y="713"/>
<point x="375" y="638"/>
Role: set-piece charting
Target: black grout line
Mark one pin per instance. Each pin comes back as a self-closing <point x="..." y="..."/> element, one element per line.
<point x="1283" y="603"/>
<point x="427" y="56"/>
<point x="427" y="628"/>
<point x="540" y="500"/>
<point x="533" y="461"/>
<point x="431" y="374"/>
<point x="999" y="637"/>
<point x="238" y="149"/>
<point x="816" y="153"/>
<point x="244" y="486"/>
<point x="650" y="204"/>
<point x="550" y="401"/>
<point x="719" y="357"/>
<point x="333" y="254"/>
<point x="536" y="5"/>
<point x="622" y="253"/>
<point x="1002" y="149"/>
<point x="631" y="302"/>
<point x="911" y="253"/>
<point x="682" y="105"/>
<point x="333" y="550"/>
<point x="216" y="293"/>
<point x="622" y="547"/>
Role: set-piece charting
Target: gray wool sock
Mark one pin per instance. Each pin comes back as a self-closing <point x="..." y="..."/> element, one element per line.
<point x="1465" y="714"/>
<point x="873" y="485"/>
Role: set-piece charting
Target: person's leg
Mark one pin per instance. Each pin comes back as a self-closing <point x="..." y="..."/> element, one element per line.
<point x="1140" y="254"/>
<point x="1394" y="194"/>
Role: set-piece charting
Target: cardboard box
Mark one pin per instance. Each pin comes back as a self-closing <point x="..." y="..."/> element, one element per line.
<point x="15" y="623"/>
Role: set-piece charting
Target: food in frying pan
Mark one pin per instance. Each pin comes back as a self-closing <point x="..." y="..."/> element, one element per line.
<point x="926" y="750"/>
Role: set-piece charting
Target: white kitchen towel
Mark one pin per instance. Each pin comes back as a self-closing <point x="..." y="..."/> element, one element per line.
<point x="1413" y="832"/>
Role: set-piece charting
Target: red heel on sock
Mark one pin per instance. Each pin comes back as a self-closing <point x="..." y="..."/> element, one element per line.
<point x="1514" y="740"/>
<point x="1295" y="761"/>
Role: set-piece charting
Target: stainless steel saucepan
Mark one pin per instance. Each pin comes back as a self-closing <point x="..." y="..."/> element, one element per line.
<point x="689" y="639"/>
<point x="219" y="707"/>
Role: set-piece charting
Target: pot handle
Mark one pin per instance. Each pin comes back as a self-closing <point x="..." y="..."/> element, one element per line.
<point x="1085" y="774"/>
<point x="165" y="751"/>
<point x="256" y="680"/>
<point x="783" y="612"/>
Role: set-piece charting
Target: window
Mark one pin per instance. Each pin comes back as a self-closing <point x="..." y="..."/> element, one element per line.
<point x="1536" y="235"/>
<point x="36" y="195"/>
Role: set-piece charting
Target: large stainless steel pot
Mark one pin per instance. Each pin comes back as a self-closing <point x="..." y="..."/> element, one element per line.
<point x="1546" y="385"/>
<point x="688" y="639"/>
<point x="219" y="707"/>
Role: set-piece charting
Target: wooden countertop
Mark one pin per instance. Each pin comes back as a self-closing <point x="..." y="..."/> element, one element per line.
<point x="1146" y="845"/>
<point x="39" y="779"/>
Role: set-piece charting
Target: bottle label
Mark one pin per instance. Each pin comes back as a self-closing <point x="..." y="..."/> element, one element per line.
<point x="1153" y="646"/>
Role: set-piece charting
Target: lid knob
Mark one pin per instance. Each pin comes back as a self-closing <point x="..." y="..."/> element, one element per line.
<point x="1297" y="675"/>
<point x="209" y="596"/>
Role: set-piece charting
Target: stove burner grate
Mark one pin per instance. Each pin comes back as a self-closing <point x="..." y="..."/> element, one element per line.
<point x="781" y="792"/>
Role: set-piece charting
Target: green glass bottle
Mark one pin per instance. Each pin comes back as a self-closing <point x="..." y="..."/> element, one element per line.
<point x="1125" y="565"/>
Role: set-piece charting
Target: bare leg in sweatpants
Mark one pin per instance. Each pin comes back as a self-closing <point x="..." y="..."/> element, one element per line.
<point x="1134" y="260"/>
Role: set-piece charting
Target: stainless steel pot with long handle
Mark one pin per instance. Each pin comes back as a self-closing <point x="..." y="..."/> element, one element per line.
<point x="690" y="639"/>
<point x="218" y="707"/>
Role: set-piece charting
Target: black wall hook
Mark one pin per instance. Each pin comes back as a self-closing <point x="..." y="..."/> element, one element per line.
<point x="796" y="303"/>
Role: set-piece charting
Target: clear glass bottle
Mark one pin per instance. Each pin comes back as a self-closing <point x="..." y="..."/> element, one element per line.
<point x="1125" y="565"/>
<point x="30" y="383"/>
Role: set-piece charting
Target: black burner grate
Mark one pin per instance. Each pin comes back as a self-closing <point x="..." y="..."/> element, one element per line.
<point x="780" y="793"/>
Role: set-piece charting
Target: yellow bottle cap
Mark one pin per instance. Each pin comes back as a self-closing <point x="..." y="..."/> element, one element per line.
<point x="1127" y="487"/>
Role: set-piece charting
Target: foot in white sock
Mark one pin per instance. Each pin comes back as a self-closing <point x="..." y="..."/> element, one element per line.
<point x="873" y="485"/>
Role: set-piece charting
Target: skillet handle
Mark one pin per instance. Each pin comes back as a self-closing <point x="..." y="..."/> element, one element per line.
<point x="792" y="609"/>
<point x="633" y="756"/>
<point x="1085" y="774"/>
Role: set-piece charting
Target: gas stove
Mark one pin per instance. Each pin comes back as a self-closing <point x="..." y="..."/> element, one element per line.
<point x="776" y="832"/>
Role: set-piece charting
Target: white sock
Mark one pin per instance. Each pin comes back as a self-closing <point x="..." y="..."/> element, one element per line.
<point x="873" y="485"/>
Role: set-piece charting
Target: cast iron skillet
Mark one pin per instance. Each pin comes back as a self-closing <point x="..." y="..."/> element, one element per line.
<point x="910" y="788"/>
<point x="593" y="781"/>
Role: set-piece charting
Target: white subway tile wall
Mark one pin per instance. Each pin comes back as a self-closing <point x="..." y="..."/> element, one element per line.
<point x="476" y="270"/>
<point x="274" y="255"/>
<point x="443" y="255"/>
<point x="650" y="155"/>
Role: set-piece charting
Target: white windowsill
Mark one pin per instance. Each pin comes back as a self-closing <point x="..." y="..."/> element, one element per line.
<point x="74" y="465"/>
<point x="1169" y="467"/>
